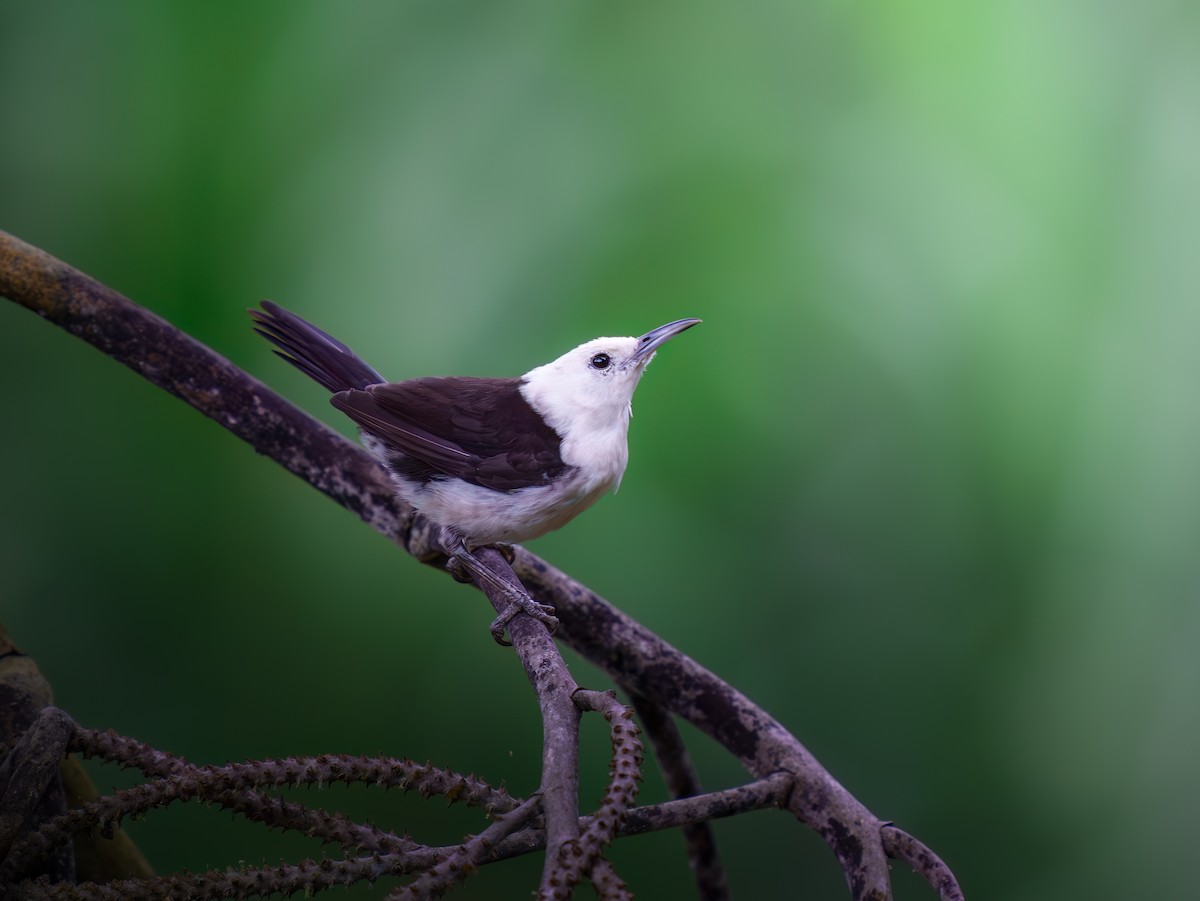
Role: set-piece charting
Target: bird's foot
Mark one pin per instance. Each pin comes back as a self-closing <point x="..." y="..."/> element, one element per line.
<point x="458" y="569"/>
<point x="508" y="552"/>
<point x="464" y="566"/>
<point x="520" y="602"/>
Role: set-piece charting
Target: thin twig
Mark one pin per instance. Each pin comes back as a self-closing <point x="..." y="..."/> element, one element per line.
<point x="682" y="782"/>
<point x="902" y="846"/>
<point x="275" y="812"/>
<point x="758" y="795"/>
<point x="394" y="861"/>
<point x="626" y="772"/>
<point x="227" y="784"/>
<point x="260" y="806"/>
<point x="460" y="863"/>
<point x="306" y="877"/>
<point x="386" y="772"/>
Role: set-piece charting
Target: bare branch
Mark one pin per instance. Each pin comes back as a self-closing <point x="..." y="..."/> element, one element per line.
<point x="770" y="792"/>
<point x="629" y="653"/>
<point x="682" y="782"/>
<point x="272" y="811"/>
<point x="227" y="785"/>
<point x="902" y="846"/>
<point x="633" y="655"/>
<point x="179" y="364"/>
<point x="554" y="686"/>
<point x="387" y="772"/>
<point x="461" y="862"/>
<point x="307" y="877"/>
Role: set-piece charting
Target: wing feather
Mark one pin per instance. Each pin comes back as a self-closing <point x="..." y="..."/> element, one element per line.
<point x="480" y="430"/>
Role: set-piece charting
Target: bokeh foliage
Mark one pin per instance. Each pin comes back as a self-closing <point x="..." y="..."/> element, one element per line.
<point x="925" y="483"/>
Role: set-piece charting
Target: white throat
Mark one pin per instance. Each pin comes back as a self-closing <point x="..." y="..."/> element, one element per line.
<point x="594" y="428"/>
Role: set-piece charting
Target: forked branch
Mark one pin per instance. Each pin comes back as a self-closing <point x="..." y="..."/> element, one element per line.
<point x="632" y="655"/>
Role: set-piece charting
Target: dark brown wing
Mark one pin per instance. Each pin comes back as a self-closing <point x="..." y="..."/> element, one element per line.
<point x="480" y="430"/>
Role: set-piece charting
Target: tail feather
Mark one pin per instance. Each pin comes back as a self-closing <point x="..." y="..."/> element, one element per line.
<point x="318" y="355"/>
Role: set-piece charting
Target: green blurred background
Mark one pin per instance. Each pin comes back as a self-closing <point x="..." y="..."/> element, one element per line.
<point x="925" y="484"/>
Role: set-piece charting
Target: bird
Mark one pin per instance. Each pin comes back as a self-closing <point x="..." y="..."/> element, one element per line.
<point x="487" y="461"/>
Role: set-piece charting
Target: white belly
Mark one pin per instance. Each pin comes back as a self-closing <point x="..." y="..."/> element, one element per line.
<point x="483" y="516"/>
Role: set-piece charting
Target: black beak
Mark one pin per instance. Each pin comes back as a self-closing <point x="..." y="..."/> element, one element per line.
<point x="656" y="338"/>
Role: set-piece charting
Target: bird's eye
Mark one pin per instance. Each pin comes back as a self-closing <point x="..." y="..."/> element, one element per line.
<point x="601" y="361"/>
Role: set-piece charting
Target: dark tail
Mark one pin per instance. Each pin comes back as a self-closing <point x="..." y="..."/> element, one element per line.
<point x="319" y="356"/>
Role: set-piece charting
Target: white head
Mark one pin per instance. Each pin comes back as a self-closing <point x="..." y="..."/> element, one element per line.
<point x="589" y="389"/>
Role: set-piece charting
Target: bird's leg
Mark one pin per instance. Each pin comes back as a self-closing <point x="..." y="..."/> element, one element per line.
<point x="519" y="600"/>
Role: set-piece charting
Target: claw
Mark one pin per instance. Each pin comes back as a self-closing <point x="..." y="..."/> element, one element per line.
<point x="464" y="567"/>
<point x="522" y="603"/>
<point x="458" y="570"/>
